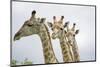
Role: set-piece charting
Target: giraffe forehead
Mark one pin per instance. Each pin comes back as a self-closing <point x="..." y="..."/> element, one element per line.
<point x="58" y="24"/>
<point x="55" y="25"/>
<point x="70" y="32"/>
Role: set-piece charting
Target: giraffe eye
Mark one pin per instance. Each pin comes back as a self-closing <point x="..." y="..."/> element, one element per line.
<point x="51" y="28"/>
<point x="74" y="35"/>
<point x="61" y="28"/>
<point x="29" y="25"/>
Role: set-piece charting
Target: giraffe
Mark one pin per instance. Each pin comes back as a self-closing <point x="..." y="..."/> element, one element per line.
<point x="37" y="26"/>
<point x="70" y="34"/>
<point x="59" y="32"/>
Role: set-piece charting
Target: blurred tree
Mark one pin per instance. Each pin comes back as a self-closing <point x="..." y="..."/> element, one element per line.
<point x="14" y="62"/>
<point x="26" y="62"/>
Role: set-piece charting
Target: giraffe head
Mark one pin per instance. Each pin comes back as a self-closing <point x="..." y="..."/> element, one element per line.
<point x="71" y="32"/>
<point x="56" y="27"/>
<point x="31" y="26"/>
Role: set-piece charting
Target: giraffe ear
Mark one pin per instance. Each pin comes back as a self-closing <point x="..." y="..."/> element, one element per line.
<point x="42" y="20"/>
<point x="77" y="31"/>
<point x="66" y="23"/>
<point x="50" y="24"/>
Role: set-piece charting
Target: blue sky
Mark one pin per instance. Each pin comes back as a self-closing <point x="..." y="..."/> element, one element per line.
<point x="31" y="47"/>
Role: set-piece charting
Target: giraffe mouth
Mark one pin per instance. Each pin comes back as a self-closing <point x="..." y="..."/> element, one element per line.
<point x="54" y="36"/>
<point x="70" y="42"/>
<point x="17" y="36"/>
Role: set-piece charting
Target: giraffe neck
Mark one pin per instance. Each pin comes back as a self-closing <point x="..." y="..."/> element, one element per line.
<point x="65" y="48"/>
<point x="47" y="47"/>
<point x="75" y="51"/>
